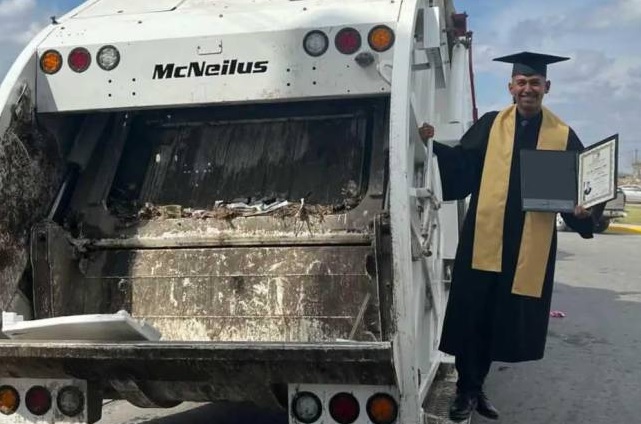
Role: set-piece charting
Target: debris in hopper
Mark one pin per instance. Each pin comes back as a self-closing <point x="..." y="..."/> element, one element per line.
<point x="31" y="169"/>
<point x="228" y="211"/>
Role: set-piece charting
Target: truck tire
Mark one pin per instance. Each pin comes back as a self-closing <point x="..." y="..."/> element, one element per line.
<point x="602" y="225"/>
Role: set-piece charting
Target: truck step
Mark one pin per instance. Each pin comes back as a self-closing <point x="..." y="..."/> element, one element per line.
<point x="438" y="401"/>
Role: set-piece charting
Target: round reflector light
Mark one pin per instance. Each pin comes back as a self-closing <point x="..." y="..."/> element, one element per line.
<point x="306" y="407"/>
<point x="79" y="59"/>
<point x="108" y="58"/>
<point x="382" y="409"/>
<point x="344" y="408"/>
<point x="9" y="400"/>
<point x="315" y="43"/>
<point x="50" y="62"/>
<point x="38" y="400"/>
<point x="381" y="38"/>
<point x="348" y="41"/>
<point x="71" y="401"/>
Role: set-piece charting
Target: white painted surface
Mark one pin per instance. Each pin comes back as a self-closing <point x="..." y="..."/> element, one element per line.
<point x="23" y="416"/>
<point x="109" y="327"/>
<point x="325" y="392"/>
<point x="266" y="38"/>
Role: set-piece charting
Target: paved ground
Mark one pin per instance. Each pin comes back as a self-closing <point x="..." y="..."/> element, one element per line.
<point x="592" y="370"/>
<point x="190" y="413"/>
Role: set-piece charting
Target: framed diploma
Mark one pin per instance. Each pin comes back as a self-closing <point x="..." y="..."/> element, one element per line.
<point x="597" y="172"/>
<point x="558" y="181"/>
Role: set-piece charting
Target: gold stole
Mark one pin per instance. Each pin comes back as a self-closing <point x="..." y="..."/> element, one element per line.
<point x="538" y="228"/>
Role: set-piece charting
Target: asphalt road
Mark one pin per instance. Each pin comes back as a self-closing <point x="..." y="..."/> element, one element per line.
<point x="592" y="369"/>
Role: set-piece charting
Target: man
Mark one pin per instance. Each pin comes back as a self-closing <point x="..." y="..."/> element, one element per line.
<point x="499" y="303"/>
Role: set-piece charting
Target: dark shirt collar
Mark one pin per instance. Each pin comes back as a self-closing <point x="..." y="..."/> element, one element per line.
<point x="522" y="122"/>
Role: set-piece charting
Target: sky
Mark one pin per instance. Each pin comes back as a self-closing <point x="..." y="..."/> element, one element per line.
<point x="598" y="92"/>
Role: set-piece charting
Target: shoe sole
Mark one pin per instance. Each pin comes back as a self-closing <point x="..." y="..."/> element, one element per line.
<point x="487" y="415"/>
<point x="459" y="419"/>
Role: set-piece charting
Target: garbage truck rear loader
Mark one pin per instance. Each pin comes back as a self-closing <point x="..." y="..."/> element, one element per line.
<point x="248" y="179"/>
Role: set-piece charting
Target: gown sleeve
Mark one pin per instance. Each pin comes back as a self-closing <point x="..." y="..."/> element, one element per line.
<point x="460" y="166"/>
<point x="583" y="226"/>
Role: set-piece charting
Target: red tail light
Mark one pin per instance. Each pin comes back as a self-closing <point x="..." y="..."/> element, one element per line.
<point x="38" y="400"/>
<point x="348" y="41"/>
<point x="344" y="408"/>
<point x="79" y="59"/>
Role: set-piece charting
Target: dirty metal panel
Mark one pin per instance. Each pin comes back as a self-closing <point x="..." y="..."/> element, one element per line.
<point x="244" y="294"/>
<point x="257" y="228"/>
<point x="288" y="157"/>
<point x="230" y="262"/>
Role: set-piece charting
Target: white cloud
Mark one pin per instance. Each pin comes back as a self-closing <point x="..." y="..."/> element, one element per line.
<point x="598" y="92"/>
<point x="20" y="21"/>
<point x="12" y="8"/>
<point x="621" y="13"/>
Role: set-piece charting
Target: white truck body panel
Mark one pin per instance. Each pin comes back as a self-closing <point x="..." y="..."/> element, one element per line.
<point x="125" y="7"/>
<point x="206" y="58"/>
<point x="325" y="392"/>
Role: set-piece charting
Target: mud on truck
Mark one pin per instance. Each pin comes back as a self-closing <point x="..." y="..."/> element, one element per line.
<point x="246" y="177"/>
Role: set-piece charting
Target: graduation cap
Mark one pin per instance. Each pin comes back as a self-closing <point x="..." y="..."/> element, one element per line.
<point x="528" y="64"/>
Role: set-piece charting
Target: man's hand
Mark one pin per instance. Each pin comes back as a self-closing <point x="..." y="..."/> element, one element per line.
<point x="581" y="212"/>
<point x="426" y="131"/>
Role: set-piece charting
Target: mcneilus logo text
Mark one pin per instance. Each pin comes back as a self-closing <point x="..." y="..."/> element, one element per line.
<point x="204" y="69"/>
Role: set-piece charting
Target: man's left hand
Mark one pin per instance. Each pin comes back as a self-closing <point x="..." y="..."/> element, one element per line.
<point x="426" y="131"/>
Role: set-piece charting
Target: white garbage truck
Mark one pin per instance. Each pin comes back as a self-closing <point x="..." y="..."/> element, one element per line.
<point x="247" y="178"/>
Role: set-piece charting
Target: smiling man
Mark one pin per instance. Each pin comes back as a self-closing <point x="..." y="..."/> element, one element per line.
<point x="499" y="303"/>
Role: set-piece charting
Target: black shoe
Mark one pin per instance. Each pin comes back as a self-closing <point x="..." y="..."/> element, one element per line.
<point x="485" y="407"/>
<point x="463" y="406"/>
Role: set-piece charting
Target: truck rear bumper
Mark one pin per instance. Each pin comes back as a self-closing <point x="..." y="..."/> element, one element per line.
<point x="177" y="371"/>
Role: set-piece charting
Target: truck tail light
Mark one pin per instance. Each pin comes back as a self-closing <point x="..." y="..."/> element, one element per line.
<point x="382" y="409"/>
<point x="71" y="401"/>
<point x="79" y="59"/>
<point x="108" y="58"/>
<point x="9" y="400"/>
<point x="306" y="407"/>
<point x="315" y="43"/>
<point x="344" y="408"/>
<point x="38" y="400"/>
<point x="348" y="41"/>
<point x="381" y="38"/>
<point x="50" y="62"/>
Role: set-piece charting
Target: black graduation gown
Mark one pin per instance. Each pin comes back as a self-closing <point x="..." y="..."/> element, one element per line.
<point x="482" y="311"/>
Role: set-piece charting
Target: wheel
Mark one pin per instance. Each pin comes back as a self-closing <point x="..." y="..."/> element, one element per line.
<point x="601" y="226"/>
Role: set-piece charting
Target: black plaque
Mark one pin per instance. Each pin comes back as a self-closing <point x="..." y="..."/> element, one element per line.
<point x="549" y="180"/>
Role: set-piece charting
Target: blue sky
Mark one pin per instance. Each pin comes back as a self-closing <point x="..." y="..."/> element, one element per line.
<point x="598" y="93"/>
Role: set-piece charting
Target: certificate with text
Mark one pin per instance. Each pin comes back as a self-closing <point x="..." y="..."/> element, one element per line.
<point x="598" y="172"/>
